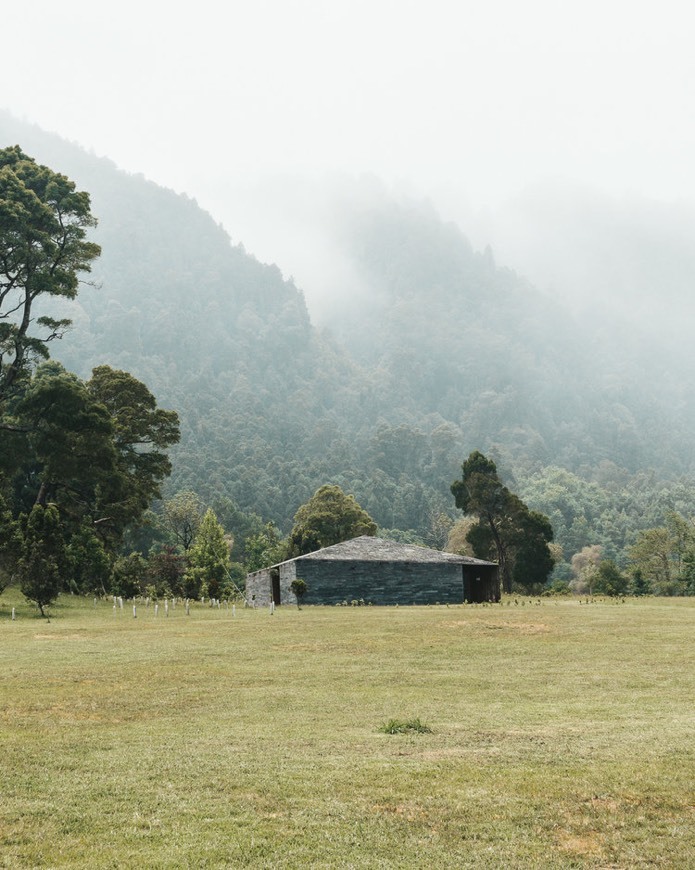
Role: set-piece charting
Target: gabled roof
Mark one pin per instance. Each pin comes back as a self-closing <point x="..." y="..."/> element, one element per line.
<point x="369" y="549"/>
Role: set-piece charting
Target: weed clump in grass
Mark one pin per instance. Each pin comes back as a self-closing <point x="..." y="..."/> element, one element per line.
<point x="402" y="726"/>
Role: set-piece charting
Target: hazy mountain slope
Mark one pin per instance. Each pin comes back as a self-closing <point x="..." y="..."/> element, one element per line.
<point x="455" y="335"/>
<point x="217" y="335"/>
<point x="446" y="353"/>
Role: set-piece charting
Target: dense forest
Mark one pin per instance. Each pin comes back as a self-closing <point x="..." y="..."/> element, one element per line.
<point x="438" y="352"/>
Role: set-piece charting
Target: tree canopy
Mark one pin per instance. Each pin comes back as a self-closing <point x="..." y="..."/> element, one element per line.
<point x="69" y="446"/>
<point x="42" y="561"/>
<point x="95" y="449"/>
<point x="208" y="558"/>
<point x="43" y="250"/>
<point x="505" y="527"/>
<point x="80" y="462"/>
<point x="183" y="514"/>
<point x="329" y="517"/>
<point x="141" y="434"/>
<point x="664" y="557"/>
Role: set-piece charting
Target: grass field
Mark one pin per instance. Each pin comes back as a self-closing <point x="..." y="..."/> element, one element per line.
<point x="562" y="736"/>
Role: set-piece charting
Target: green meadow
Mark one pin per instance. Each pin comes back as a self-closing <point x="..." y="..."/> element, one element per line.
<point x="561" y="735"/>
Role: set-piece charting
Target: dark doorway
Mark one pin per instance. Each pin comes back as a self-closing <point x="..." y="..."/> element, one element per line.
<point x="275" y="580"/>
<point x="481" y="584"/>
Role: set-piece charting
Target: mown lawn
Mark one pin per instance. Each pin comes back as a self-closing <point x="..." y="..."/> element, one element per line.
<point x="562" y="736"/>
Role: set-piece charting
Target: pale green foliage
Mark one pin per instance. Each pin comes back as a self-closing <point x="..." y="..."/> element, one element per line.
<point x="209" y="559"/>
<point x="439" y="381"/>
<point x="440" y="527"/>
<point x="457" y="541"/>
<point x="329" y="517"/>
<point x="264" y="548"/>
<point x="664" y="555"/>
<point x="183" y="514"/>
<point x="584" y="569"/>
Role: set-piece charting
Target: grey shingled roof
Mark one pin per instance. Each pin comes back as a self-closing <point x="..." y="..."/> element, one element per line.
<point x="369" y="549"/>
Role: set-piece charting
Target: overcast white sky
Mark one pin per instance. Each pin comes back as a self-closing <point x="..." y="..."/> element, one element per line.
<point x="471" y="100"/>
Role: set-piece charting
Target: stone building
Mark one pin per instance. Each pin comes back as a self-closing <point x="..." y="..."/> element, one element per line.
<point x="376" y="571"/>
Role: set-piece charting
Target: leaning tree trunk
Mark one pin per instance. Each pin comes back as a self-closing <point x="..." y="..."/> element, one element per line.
<point x="502" y="560"/>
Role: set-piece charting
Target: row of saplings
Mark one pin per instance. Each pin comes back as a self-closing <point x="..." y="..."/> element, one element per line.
<point x="44" y="565"/>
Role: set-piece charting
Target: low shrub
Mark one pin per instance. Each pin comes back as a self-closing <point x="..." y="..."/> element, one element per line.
<point x="401" y="726"/>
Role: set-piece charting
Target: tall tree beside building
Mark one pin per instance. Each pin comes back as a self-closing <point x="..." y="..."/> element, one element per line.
<point x="506" y="529"/>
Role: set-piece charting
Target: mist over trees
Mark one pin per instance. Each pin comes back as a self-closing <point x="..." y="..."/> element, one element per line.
<point x="440" y="353"/>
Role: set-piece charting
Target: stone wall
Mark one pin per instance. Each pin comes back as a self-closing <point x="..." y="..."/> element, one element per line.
<point x="333" y="582"/>
<point x="288" y="573"/>
<point x="259" y="587"/>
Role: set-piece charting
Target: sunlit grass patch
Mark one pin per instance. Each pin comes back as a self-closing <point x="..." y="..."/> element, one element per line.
<point x="246" y="740"/>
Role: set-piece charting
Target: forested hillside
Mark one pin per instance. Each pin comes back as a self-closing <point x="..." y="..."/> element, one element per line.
<point x="441" y="352"/>
<point x="514" y="368"/>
